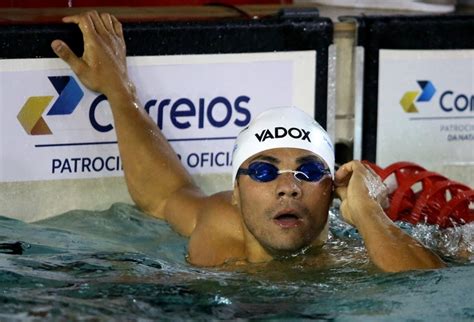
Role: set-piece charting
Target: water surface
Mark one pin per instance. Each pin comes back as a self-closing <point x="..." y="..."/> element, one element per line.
<point x="121" y="264"/>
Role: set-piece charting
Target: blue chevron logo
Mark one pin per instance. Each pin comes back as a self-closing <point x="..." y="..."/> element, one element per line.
<point x="428" y="90"/>
<point x="70" y="94"/>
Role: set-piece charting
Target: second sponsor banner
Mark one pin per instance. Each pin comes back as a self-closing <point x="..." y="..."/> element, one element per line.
<point x="426" y="107"/>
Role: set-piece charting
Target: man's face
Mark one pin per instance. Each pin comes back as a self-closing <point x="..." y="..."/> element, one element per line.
<point x="285" y="214"/>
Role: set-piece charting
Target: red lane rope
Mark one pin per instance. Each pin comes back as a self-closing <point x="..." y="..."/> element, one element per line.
<point x="421" y="196"/>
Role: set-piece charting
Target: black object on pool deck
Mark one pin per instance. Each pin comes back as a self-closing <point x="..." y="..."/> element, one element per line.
<point x="401" y="32"/>
<point x="288" y="31"/>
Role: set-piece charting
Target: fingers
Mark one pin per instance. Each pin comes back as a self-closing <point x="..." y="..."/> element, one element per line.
<point x="85" y="25"/>
<point x="94" y="23"/>
<point x="117" y="27"/>
<point x="98" y="23"/>
<point x="65" y="53"/>
<point x="341" y="174"/>
<point x="341" y="192"/>
<point x="107" y="21"/>
<point x="347" y="171"/>
<point x="341" y="180"/>
<point x="72" y="19"/>
<point x="344" y="174"/>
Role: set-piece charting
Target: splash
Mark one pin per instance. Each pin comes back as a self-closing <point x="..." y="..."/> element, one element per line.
<point x="377" y="190"/>
<point x="456" y="243"/>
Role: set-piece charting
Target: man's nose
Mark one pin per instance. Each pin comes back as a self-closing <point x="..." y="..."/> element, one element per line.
<point x="288" y="186"/>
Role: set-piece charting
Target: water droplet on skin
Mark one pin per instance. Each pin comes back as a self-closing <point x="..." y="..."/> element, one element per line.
<point x="374" y="186"/>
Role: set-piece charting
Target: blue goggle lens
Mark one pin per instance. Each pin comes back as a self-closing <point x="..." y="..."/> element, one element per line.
<point x="313" y="170"/>
<point x="265" y="172"/>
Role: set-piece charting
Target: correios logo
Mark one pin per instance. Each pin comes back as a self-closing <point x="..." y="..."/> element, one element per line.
<point x="409" y="98"/>
<point x="450" y="101"/>
<point x="31" y="113"/>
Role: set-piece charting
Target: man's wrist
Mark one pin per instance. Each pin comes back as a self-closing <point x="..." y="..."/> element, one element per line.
<point x="124" y="92"/>
<point x="367" y="210"/>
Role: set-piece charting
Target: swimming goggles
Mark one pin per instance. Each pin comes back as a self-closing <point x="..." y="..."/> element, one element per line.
<point x="264" y="172"/>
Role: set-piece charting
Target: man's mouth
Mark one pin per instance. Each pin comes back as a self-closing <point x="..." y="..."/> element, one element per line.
<point x="287" y="219"/>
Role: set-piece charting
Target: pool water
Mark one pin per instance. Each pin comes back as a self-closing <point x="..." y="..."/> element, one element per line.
<point x="120" y="264"/>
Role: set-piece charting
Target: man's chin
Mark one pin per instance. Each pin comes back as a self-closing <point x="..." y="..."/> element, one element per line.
<point x="287" y="250"/>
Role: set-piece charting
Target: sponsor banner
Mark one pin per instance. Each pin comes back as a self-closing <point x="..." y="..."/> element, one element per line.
<point x="426" y="107"/>
<point x="52" y="127"/>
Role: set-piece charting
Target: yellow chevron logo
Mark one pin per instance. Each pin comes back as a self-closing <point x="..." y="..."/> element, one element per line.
<point x="427" y="92"/>
<point x="408" y="102"/>
<point x="31" y="115"/>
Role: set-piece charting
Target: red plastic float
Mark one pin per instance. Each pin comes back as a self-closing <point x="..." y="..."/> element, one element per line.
<point x="457" y="210"/>
<point x="429" y="205"/>
<point x="406" y="195"/>
<point x="421" y="196"/>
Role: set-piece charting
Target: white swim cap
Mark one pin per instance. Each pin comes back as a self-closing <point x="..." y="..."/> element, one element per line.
<point x="282" y="127"/>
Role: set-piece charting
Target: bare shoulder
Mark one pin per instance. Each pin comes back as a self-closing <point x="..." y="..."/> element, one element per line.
<point x="218" y="235"/>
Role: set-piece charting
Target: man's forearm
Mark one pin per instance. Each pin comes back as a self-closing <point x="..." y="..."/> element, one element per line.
<point x="152" y="169"/>
<point x="389" y="247"/>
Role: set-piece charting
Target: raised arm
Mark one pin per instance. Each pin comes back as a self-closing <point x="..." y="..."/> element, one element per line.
<point x="152" y="169"/>
<point x="389" y="247"/>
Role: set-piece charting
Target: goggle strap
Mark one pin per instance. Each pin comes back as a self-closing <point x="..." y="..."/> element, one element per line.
<point x="295" y="173"/>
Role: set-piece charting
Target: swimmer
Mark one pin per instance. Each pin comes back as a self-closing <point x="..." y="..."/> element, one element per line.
<point x="283" y="175"/>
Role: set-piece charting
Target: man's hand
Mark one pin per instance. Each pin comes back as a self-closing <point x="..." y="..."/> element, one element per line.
<point x="363" y="196"/>
<point x="102" y="67"/>
<point x="357" y="184"/>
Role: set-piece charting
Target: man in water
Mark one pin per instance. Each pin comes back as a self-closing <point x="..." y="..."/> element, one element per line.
<point x="283" y="174"/>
